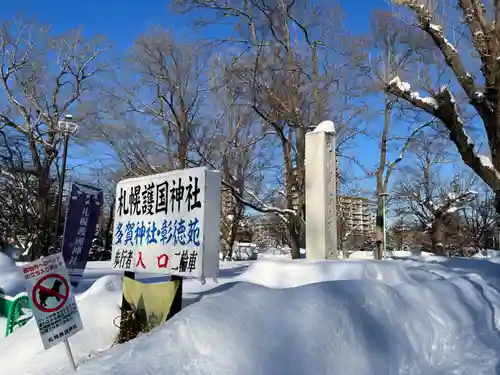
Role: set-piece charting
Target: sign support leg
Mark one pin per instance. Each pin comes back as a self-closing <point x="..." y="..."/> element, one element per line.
<point x="127" y="320"/>
<point x="70" y="355"/>
<point x="177" y="302"/>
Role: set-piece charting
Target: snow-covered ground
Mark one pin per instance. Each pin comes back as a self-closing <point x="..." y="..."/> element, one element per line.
<point x="11" y="277"/>
<point x="422" y="315"/>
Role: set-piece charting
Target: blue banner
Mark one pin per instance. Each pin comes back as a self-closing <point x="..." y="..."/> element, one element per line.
<point x="84" y="209"/>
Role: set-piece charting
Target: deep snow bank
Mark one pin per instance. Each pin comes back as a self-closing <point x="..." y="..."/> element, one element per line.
<point x="349" y="317"/>
<point x="23" y="353"/>
<point x="487" y="253"/>
<point x="11" y="276"/>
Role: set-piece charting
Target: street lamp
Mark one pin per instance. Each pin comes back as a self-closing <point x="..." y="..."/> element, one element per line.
<point x="66" y="127"/>
<point x="384" y="203"/>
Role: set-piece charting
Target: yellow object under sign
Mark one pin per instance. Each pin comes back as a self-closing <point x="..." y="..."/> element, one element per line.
<point x="151" y="302"/>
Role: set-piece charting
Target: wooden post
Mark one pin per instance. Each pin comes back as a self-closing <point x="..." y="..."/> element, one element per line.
<point x="177" y="302"/>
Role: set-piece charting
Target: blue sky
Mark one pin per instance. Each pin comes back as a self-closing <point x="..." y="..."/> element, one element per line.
<point x="121" y="22"/>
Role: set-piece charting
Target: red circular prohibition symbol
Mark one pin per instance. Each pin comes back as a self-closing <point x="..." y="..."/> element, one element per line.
<point x="44" y="293"/>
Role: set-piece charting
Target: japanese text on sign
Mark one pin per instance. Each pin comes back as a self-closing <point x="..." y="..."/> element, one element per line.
<point x="82" y="218"/>
<point x="164" y="197"/>
<point x="175" y="232"/>
<point x="54" y="306"/>
<point x="160" y="221"/>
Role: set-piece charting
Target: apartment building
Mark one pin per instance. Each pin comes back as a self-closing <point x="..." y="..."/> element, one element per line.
<point x="358" y="214"/>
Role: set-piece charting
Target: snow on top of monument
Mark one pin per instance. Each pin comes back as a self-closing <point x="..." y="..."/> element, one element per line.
<point x="325" y="127"/>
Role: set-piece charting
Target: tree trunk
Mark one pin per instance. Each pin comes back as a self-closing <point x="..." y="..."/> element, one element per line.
<point x="294" y="236"/>
<point x="437" y="240"/>
<point x="497" y="201"/>
<point x="45" y="221"/>
<point x="108" y="238"/>
<point x="232" y="235"/>
<point x="229" y="233"/>
<point x="379" y="232"/>
<point x="381" y="186"/>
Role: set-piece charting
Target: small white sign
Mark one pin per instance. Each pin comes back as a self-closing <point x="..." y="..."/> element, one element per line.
<point x="54" y="305"/>
<point x="168" y="223"/>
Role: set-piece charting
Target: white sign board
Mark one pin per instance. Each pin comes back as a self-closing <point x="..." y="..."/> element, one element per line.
<point x="54" y="305"/>
<point x="168" y="223"/>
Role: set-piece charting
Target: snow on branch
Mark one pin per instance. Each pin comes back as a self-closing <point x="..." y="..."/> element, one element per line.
<point x="450" y="204"/>
<point x="444" y="107"/>
<point x="455" y="201"/>
<point x="448" y="50"/>
<point x="448" y="113"/>
<point x="403" y="90"/>
<point x="261" y="206"/>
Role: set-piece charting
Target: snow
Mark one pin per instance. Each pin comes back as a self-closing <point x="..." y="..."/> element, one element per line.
<point x="433" y="205"/>
<point x="406" y="87"/>
<point x="430" y="101"/>
<point x="11" y="277"/>
<point x="416" y="315"/>
<point x="436" y="28"/>
<point x="487" y="253"/>
<point x="391" y="254"/>
<point x="470" y="142"/>
<point x="98" y="306"/>
<point x="486" y="161"/>
<point x="451" y="46"/>
<point x="403" y="86"/>
<point x="3" y="326"/>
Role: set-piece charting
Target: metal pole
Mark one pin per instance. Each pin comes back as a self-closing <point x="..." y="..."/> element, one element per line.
<point x="70" y="355"/>
<point x="61" y="187"/>
<point x="384" y="256"/>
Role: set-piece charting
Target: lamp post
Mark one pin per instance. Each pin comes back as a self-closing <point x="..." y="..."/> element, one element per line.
<point x="66" y="127"/>
<point x="384" y="203"/>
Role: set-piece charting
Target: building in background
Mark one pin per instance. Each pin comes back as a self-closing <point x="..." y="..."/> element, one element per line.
<point x="357" y="215"/>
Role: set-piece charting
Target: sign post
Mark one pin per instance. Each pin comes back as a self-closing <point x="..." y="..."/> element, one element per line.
<point x="168" y="223"/>
<point x="83" y="214"/>
<point x="54" y="306"/>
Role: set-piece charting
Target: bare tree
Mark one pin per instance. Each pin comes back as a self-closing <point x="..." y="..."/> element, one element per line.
<point x="171" y="80"/>
<point x="428" y="199"/>
<point x="288" y="84"/>
<point x="175" y="83"/>
<point x="393" y="49"/>
<point x="18" y="216"/>
<point x="233" y="147"/>
<point x="480" y="220"/>
<point x="480" y="30"/>
<point x="42" y="76"/>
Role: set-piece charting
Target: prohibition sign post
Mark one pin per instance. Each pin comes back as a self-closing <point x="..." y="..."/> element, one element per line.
<point x="54" y="305"/>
